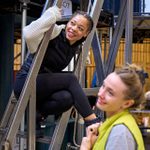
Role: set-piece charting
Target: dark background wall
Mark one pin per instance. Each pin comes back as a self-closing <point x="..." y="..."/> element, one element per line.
<point x="114" y="5"/>
<point x="6" y="58"/>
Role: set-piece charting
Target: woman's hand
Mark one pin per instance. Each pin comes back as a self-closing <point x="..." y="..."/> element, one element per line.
<point x="85" y="144"/>
<point x="58" y="12"/>
<point x="90" y="139"/>
<point x="92" y="132"/>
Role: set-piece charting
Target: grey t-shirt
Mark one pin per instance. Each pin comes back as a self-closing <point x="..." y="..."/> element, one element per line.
<point x="120" y="138"/>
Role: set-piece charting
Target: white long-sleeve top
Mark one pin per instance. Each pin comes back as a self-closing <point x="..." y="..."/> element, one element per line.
<point x="34" y="32"/>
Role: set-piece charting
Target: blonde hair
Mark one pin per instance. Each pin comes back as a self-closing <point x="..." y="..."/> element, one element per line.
<point x="131" y="75"/>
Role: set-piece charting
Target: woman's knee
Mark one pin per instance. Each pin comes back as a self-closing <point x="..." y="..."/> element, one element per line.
<point x="64" y="97"/>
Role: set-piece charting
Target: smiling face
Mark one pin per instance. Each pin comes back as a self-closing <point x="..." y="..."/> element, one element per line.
<point x="111" y="95"/>
<point x="77" y="28"/>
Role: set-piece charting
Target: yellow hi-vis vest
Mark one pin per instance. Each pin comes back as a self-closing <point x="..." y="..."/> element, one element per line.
<point x="121" y="118"/>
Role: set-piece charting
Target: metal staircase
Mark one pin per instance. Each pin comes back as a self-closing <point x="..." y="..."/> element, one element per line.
<point x="9" y="126"/>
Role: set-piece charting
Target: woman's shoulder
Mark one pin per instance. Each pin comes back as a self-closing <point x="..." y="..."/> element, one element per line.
<point x="120" y="136"/>
<point x="57" y="30"/>
<point x="120" y="129"/>
<point x="121" y="132"/>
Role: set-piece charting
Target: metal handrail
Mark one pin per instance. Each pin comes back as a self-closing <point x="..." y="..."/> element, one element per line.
<point x="28" y="95"/>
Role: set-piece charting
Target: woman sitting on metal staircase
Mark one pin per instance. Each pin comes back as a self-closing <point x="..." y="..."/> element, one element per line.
<point x="57" y="91"/>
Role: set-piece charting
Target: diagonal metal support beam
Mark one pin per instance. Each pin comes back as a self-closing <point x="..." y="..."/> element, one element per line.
<point x="116" y="38"/>
<point x="95" y="13"/>
<point x="60" y="130"/>
<point x="98" y="58"/>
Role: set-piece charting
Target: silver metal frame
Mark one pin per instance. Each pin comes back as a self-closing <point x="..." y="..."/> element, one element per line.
<point x="15" y="109"/>
<point x="27" y="97"/>
<point x="116" y="38"/>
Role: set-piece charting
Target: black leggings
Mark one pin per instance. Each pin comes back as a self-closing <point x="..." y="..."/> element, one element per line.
<point x="56" y="93"/>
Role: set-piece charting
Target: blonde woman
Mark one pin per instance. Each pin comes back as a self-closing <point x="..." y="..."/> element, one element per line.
<point x="120" y="91"/>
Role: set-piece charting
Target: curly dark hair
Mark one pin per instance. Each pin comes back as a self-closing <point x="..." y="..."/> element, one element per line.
<point x="87" y="16"/>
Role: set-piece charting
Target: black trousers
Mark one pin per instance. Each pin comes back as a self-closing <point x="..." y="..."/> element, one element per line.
<point x="56" y="93"/>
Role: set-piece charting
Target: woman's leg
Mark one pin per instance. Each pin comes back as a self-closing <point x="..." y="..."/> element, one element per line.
<point x="48" y="100"/>
<point x="58" y="103"/>
<point x="47" y="84"/>
<point x="19" y="83"/>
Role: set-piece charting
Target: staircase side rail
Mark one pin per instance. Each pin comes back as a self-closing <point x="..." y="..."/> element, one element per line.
<point x="26" y="92"/>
